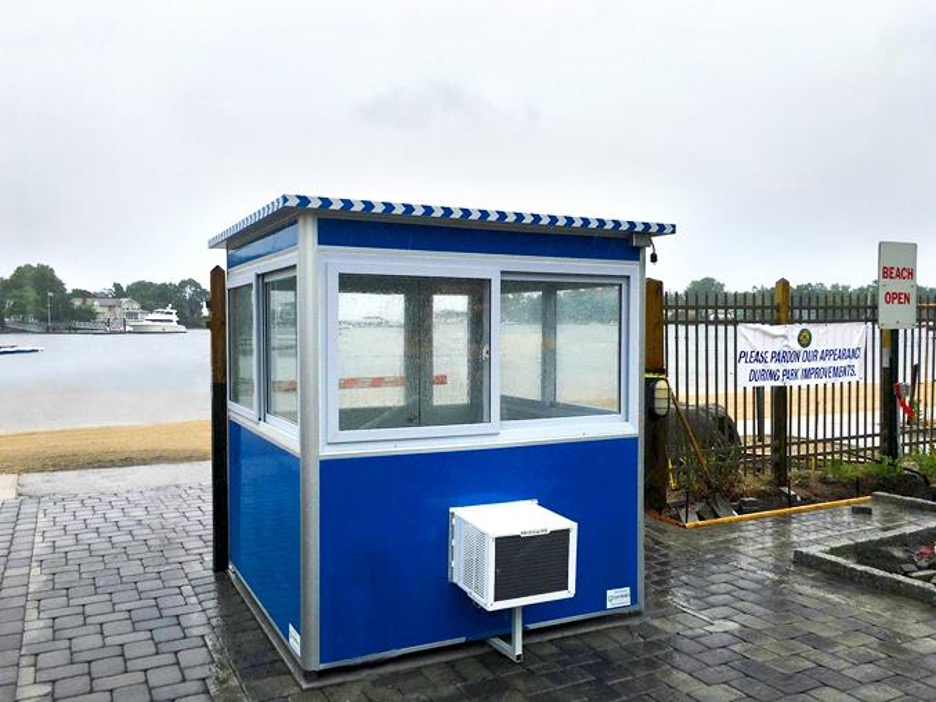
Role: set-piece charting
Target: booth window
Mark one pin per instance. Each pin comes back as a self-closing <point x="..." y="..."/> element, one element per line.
<point x="241" y="321"/>
<point x="412" y="351"/>
<point x="560" y="347"/>
<point x="280" y="346"/>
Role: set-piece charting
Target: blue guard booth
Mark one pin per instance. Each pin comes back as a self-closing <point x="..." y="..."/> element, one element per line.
<point x="434" y="423"/>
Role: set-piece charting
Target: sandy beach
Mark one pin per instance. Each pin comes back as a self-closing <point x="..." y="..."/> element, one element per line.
<point x="99" y="447"/>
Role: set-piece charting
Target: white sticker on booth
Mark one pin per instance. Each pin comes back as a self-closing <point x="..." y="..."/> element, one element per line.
<point x="295" y="641"/>
<point x="618" y="597"/>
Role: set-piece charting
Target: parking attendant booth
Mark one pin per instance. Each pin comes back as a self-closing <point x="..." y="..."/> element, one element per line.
<point x="434" y="423"/>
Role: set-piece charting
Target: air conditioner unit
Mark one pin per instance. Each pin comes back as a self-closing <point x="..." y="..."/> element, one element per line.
<point x="512" y="554"/>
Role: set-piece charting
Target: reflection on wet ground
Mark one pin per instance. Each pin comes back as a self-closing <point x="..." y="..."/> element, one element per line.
<point x="110" y="597"/>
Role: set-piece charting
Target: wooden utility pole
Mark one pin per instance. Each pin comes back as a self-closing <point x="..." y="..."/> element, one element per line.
<point x="779" y="449"/>
<point x="219" y="443"/>
<point x="656" y="463"/>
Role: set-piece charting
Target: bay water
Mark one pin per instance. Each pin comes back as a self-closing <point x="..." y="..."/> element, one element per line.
<point x="82" y="380"/>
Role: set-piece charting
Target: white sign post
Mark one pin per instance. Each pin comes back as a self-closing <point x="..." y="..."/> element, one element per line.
<point x="897" y="309"/>
<point x="897" y="290"/>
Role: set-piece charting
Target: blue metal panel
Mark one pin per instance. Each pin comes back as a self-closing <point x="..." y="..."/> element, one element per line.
<point x="280" y="240"/>
<point x="265" y="531"/>
<point x="384" y="534"/>
<point x="425" y="237"/>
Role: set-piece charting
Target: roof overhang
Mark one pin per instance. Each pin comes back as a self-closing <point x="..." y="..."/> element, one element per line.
<point x="287" y="207"/>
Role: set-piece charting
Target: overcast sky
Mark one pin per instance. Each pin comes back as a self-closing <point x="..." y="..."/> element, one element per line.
<point x="782" y="138"/>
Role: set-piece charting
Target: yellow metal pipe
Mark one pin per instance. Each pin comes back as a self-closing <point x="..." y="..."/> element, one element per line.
<point x="778" y="512"/>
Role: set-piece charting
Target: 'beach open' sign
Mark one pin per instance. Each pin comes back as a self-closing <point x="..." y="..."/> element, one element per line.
<point x="897" y="294"/>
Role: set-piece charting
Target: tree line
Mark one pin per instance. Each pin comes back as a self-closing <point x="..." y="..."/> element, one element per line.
<point x="711" y="287"/>
<point x="816" y="302"/>
<point x="34" y="291"/>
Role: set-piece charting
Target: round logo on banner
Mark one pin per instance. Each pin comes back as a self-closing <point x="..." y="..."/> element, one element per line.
<point x="804" y="338"/>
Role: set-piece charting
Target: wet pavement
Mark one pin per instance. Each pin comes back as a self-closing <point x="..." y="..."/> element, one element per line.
<point x="110" y="596"/>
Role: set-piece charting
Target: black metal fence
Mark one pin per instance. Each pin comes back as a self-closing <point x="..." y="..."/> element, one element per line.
<point x="824" y="421"/>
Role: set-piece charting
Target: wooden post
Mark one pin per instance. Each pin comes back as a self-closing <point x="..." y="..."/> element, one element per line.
<point x="890" y="358"/>
<point x="656" y="463"/>
<point x="779" y="460"/>
<point x="219" y="444"/>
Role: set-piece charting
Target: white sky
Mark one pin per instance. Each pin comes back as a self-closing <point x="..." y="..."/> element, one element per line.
<point x="783" y="138"/>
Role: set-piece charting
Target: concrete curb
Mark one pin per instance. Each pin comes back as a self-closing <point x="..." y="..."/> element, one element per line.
<point x="8" y="487"/>
<point x="829" y="558"/>
<point x="114" y="480"/>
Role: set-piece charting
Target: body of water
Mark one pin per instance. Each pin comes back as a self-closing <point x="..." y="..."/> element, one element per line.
<point x="83" y="380"/>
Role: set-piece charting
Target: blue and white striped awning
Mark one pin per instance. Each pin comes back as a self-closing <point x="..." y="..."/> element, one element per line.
<point x="285" y="204"/>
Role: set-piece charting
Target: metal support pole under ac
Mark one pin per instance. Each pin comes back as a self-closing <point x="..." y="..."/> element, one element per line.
<point x="514" y="649"/>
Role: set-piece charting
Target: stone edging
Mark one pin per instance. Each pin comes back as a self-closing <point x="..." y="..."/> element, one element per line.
<point x="822" y="558"/>
<point x="909" y="502"/>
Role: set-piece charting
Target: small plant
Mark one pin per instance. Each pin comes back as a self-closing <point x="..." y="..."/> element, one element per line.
<point x="925" y="463"/>
<point x="875" y="470"/>
<point x="884" y="469"/>
<point x="846" y="472"/>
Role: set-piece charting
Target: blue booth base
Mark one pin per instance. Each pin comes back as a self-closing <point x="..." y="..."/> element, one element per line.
<point x="384" y="534"/>
<point x="382" y="571"/>
<point x="265" y="530"/>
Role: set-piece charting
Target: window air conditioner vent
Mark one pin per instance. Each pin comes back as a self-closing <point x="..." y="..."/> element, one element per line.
<point x="512" y="554"/>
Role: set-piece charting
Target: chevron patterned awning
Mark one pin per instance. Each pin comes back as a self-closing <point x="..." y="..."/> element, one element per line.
<point x="392" y="210"/>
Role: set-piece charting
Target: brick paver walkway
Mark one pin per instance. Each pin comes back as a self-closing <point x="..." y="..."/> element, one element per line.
<point x="110" y="597"/>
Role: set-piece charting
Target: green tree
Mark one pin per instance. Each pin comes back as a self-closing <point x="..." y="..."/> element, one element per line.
<point x="191" y="297"/>
<point x="705" y="286"/>
<point x="24" y="303"/>
<point x="150" y="295"/>
<point x="84" y="313"/>
<point x="186" y="297"/>
<point x="33" y="291"/>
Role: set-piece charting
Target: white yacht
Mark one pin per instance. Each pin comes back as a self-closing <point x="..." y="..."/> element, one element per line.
<point x="162" y="321"/>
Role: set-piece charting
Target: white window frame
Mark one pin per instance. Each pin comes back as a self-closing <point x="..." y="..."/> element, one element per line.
<point x="624" y="317"/>
<point x="266" y="415"/>
<point x="497" y="432"/>
<point x="626" y="421"/>
<point x="278" y="265"/>
<point x="248" y="412"/>
<point x="409" y="267"/>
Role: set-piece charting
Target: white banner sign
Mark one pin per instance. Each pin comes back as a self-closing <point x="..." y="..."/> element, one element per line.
<point x="800" y="354"/>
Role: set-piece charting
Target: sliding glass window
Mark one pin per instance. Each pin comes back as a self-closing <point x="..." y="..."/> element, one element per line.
<point x="560" y="347"/>
<point x="280" y="346"/>
<point x="412" y="351"/>
<point x="241" y="345"/>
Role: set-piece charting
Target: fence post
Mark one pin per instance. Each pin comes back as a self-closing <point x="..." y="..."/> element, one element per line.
<point x="656" y="465"/>
<point x="219" y="447"/>
<point x="779" y="460"/>
<point x="890" y="358"/>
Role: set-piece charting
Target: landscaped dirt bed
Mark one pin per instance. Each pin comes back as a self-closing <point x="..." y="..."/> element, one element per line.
<point x="902" y="560"/>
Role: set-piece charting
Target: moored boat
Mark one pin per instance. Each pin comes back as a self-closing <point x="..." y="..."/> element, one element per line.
<point x="161" y="321"/>
<point x="9" y="349"/>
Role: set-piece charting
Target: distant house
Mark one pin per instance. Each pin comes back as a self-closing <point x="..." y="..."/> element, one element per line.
<point x="113" y="311"/>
